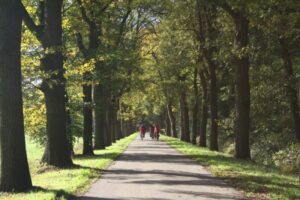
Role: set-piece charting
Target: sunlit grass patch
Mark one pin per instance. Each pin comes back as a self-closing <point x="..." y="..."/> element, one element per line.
<point x="257" y="181"/>
<point x="53" y="183"/>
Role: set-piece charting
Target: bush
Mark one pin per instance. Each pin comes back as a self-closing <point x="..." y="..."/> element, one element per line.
<point x="288" y="160"/>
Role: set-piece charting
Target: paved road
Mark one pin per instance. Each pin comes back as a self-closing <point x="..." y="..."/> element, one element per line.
<point x="151" y="170"/>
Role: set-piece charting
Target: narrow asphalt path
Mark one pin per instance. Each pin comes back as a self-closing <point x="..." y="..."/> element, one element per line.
<point x="152" y="170"/>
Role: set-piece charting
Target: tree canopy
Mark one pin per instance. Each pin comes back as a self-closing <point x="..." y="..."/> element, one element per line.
<point x="222" y="74"/>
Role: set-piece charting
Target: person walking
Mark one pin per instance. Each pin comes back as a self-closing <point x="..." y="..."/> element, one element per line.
<point x="151" y="131"/>
<point x="156" y="131"/>
<point x="142" y="131"/>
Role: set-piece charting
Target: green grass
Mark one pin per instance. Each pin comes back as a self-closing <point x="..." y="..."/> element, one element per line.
<point x="257" y="181"/>
<point x="53" y="183"/>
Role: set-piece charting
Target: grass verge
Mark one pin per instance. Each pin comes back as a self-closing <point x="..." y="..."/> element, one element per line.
<point x="257" y="181"/>
<point x="53" y="183"/>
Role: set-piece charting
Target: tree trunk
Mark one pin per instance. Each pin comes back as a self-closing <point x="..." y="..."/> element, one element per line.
<point x="93" y="45"/>
<point x="213" y="106"/>
<point x="206" y="15"/>
<point x="125" y="128"/>
<point x="14" y="171"/>
<point x="118" y="126"/>
<point x="199" y="114"/>
<point x="69" y="125"/>
<point x="204" y="115"/>
<point x="121" y="122"/>
<point x="242" y="124"/>
<point x="291" y="86"/>
<point x="195" y="108"/>
<point x="172" y="120"/>
<point x="99" y="116"/>
<point x="167" y="123"/>
<point x="184" y="115"/>
<point x="108" y="133"/>
<point x="87" y="121"/>
<point x="111" y="122"/>
<point x="57" y="151"/>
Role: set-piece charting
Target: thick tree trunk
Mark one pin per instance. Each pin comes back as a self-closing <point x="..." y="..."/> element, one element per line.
<point x="99" y="99"/>
<point x="204" y="110"/>
<point x="57" y="151"/>
<point x="184" y="115"/>
<point x="195" y="108"/>
<point x="108" y="133"/>
<point x="242" y="124"/>
<point x="111" y="123"/>
<point x="14" y="171"/>
<point x="87" y="121"/>
<point x="172" y="120"/>
<point x="213" y="107"/>
<point x="291" y="86"/>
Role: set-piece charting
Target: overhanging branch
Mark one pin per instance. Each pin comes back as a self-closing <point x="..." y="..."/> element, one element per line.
<point x="36" y="29"/>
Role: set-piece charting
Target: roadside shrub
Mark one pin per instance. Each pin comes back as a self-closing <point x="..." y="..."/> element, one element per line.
<point x="288" y="160"/>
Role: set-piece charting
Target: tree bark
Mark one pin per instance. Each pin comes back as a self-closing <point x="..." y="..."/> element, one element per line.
<point x="172" y="120"/>
<point x="242" y="98"/>
<point x="108" y="132"/>
<point x="87" y="121"/>
<point x="213" y="107"/>
<point x="184" y="115"/>
<point x="111" y="122"/>
<point x="291" y="85"/>
<point x="121" y="121"/>
<point x="204" y="110"/>
<point x="99" y="99"/>
<point x="118" y="126"/>
<point x="167" y="122"/>
<point x="125" y="128"/>
<point x="57" y="151"/>
<point x="14" y="171"/>
<point x="195" y="108"/>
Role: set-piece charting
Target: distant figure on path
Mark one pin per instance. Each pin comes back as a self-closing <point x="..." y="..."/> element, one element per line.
<point x="156" y="131"/>
<point x="151" y="131"/>
<point x="142" y="131"/>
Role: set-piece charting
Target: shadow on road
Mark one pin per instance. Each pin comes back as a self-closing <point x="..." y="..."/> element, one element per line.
<point x="130" y="198"/>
